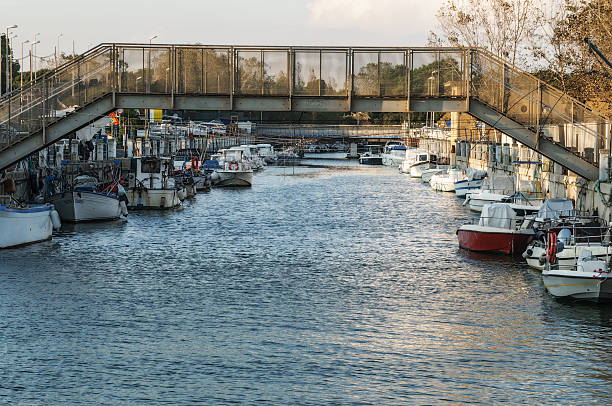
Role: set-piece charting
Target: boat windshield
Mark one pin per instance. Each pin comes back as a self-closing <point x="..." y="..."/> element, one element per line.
<point x="233" y="155"/>
<point x="150" y="165"/>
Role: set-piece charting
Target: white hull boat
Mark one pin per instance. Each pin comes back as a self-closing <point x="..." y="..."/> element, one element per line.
<point x="21" y="226"/>
<point x="590" y="279"/>
<point x="463" y="187"/>
<point x="142" y="198"/>
<point x="476" y="201"/>
<point x="427" y="174"/>
<point x="566" y="259"/>
<point x="234" y="178"/>
<point x="81" y="205"/>
<point x="446" y="182"/>
<point x="234" y="170"/>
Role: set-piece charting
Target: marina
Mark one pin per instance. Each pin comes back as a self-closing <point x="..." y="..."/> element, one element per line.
<point x="382" y="203"/>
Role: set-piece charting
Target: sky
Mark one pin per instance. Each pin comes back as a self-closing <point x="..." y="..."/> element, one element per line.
<point x="220" y="22"/>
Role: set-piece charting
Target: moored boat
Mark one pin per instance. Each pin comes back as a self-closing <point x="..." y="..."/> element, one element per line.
<point x="234" y="171"/>
<point x="445" y="182"/>
<point x="497" y="231"/>
<point x="589" y="279"/>
<point x="83" y="201"/>
<point x="373" y="156"/>
<point x="26" y="224"/>
<point x="151" y="185"/>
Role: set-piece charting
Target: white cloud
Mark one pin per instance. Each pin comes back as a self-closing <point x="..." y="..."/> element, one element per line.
<point x="379" y="15"/>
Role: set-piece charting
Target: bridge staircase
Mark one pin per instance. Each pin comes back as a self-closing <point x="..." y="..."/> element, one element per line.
<point x="112" y="76"/>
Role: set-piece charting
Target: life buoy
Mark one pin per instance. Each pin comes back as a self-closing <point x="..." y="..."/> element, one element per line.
<point x="233" y="166"/>
<point x="551" y="250"/>
<point x="194" y="163"/>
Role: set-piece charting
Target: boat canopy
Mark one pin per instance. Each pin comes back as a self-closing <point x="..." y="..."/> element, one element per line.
<point x="498" y="215"/>
<point x="555" y="208"/>
<point x="398" y="147"/>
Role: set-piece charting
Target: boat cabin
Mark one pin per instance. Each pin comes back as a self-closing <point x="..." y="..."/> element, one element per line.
<point x="151" y="172"/>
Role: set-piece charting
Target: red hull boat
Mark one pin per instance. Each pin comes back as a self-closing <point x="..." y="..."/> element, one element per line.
<point x="491" y="239"/>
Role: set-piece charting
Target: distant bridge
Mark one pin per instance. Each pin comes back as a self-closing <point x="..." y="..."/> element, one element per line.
<point x="237" y="78"/>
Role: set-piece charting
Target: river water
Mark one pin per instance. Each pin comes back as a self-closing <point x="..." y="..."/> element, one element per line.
<point x="336" y="284"/>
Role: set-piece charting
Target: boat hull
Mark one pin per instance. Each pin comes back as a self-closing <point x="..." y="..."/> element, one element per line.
<point x="587" y="287"/>
<point x="372" y="160"/>
<point x="79" y="206"/>
<point x="464" y="187"/>
<point x="152" y="199"/>
<point x="234" y="178"/>
<point x="490" y="239"/>
<point x="25" y="226"/>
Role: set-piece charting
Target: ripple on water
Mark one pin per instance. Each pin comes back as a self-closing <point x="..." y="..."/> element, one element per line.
<point x="341" y="285"/>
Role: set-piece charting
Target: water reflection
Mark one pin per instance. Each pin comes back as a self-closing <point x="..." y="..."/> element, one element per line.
<point x="328" y="286"/>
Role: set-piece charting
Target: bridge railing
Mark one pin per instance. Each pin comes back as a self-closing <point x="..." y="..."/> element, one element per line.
<point x="400" y="73"/>
<point x="28" y="109"/>
<point x="538" y="106"/>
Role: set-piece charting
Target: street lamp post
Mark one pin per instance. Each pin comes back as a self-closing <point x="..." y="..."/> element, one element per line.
<point x="57" y="50"/>
<point x="6" y="57"/>
<point x="10" y="66"/>
<point x="33" y="60"/>
<point x="32" y="73"/>
<point x="27" y="41"/>
<point x="137" y="79"/>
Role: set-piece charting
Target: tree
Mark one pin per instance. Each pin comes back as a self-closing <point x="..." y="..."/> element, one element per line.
<point x="15" y="67"/>
<point x="501" y="26"/>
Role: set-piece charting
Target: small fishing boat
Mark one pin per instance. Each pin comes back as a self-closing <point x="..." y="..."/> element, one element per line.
<point x="151" y="185"/>
<point x="26" y="224"/>
<point x="373" y="156"/>
<point x="84" y="201"/>
<point x="497" y="231"/>
<point x="234" y="171"/>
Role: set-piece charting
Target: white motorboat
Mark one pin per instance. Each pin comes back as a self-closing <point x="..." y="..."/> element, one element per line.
<point x="26" y="224"/>
<point x="373" y="156"/>
<point x="473" y="181"/>
<point x="394" y="153"/>
<point x="266" y="151"/>
<point x="427" y="174"/>
<point x="151" y="185"/>
<point x="590" y="279"/>
<point x="416" y="161"/>
<point x="234" y="170"/>
<point x="446" y="182"/>
<point x="84" y="202"/>
<point x="577" y="233"/>
<point x="476" y="201"/>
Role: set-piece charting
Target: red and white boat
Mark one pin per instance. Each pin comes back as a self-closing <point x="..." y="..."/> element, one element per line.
<point x="497" y="231"/>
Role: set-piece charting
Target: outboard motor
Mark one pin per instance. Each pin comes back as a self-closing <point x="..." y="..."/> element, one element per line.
<point x="564" y="236"/>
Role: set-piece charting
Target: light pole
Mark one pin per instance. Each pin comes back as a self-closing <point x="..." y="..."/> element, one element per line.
<point x="137" y="79"/>
<point x="31" y="60"/>
<point x="10" y="66"/>
<point x="6" y="65"/>
<point x="27" y="41"/>
<point x="148" y="79"/>
<point x="57" y="49"/>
